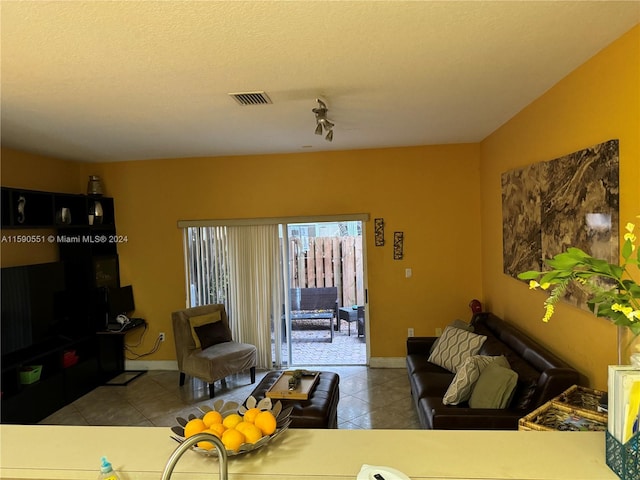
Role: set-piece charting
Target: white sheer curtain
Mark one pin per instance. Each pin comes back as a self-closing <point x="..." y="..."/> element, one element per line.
<point x="255" y="286"/>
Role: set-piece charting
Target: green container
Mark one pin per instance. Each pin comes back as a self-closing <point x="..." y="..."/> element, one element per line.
<point x="30" y="374"/>
<point x="624" y="459"/>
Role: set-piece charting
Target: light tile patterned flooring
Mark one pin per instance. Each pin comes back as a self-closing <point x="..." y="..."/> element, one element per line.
<point x="370" y="398"/>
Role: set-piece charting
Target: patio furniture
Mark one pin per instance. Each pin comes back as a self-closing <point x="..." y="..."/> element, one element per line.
<point x="314" y="304"/>
<point x="351" y="314"/>
<point x="319" y="411"/>
<point x="205" y="349"/>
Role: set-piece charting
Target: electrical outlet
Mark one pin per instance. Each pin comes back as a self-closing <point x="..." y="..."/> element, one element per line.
<point x="410" y="332"/>
<point x="161" y="336"/>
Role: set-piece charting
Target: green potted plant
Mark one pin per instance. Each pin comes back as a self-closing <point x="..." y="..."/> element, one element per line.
<point x="618" y="300"/>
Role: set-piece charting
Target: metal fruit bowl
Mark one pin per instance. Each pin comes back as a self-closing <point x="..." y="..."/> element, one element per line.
<point x="283" y="420"/>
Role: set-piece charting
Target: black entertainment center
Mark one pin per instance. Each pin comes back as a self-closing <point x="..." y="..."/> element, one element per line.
<point x="52" y="312"/>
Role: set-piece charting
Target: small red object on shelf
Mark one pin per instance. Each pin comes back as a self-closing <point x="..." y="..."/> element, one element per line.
<point x="69" y="358"/>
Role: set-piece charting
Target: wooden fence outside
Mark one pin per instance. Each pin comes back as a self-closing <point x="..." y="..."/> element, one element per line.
<point x="329" y="262"/>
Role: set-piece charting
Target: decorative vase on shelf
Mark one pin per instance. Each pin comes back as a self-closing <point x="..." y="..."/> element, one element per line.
<point x="628" y="347"/>
<point x="94" y="187"/>
<point x="96" y="213"/>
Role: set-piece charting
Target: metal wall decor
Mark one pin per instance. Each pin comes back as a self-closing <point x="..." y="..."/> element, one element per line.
<point x="398" y="245"/>
<point x="379" y="231"/>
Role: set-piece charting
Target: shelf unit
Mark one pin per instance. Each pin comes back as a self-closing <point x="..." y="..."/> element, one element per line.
<point x="58" y="385"/>
<point x="37" y="209"/>
<point x="89" y="265"/>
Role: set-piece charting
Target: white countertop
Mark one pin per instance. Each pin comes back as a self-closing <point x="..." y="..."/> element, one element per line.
<point x="67" y="452"/>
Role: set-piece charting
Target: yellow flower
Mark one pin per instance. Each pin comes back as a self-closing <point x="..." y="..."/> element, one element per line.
<point x="625" y="310"/>
<point x="629" y="227"/>
<point x="545" y="285"/>
<point x="630" y="236"/>
<point x="533" y="285"/>
<point x="549" y="312"/>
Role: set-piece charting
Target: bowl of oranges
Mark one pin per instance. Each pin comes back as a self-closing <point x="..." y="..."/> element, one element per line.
<point x="241" y="428"/>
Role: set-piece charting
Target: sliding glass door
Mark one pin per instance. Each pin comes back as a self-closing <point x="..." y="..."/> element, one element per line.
<point x="323" y="261"/>
<point x="258" y="268"/>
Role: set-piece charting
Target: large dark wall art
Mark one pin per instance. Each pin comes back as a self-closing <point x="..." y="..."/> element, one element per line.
<point x="571" y="201"/>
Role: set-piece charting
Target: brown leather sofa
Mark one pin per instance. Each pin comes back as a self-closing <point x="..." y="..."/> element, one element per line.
<point x="541" y="376"/>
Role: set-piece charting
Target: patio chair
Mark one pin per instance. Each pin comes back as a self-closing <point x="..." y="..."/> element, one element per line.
<point x="205" y="348"/>
<point x="361" y="320"/>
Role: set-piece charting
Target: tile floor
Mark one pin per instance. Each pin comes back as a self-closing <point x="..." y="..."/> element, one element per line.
<point x="370" y="398"/>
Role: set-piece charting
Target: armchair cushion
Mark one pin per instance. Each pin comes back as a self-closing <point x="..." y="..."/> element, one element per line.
<point x="199" y="321"/>
<point x="215" y="361"/>
<point x="213" y="333"/>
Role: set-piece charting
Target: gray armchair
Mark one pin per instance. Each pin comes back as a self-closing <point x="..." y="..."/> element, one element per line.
<point x="205" y="349"/>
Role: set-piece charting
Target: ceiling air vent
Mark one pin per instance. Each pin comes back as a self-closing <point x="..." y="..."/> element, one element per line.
<point x="251" y="98"/>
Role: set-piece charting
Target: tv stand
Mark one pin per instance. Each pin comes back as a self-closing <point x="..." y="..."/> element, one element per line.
<point x="112" y="356"/>
<point x="59" y="384"/>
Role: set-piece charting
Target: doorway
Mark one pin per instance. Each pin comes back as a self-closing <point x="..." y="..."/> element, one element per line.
<point x="319" y="257"/>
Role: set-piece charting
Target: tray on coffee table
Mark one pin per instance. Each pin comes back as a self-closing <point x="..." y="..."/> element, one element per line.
<point x="280" y="389"/>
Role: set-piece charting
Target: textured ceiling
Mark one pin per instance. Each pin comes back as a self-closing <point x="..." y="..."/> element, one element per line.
<point x="125" y="80"/>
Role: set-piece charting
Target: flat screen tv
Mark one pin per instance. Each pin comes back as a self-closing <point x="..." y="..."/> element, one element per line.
<point x="31" y="304"/>
<point x="120" y="301"/>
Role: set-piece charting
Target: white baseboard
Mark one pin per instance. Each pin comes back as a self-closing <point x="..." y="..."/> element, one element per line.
<point x="151" y="365"/>
<point x="387" y="362"/>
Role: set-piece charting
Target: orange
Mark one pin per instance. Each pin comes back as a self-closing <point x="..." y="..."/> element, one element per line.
<point x="250" y="415"/>
<point x="251" y="433"/>
<point x="212" y="417"/>
<point x="232" y="439"/>
<point x="207" y="445"/>
<point x="194" y="426"/>
<point x="266" y="422"/>
<point x="230" y="421"/>
<point x="217" y="429"/>
<point x="242" y="426"/>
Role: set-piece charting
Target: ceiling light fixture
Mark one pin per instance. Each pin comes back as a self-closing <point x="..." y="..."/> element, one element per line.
<point x="322" y="122"/>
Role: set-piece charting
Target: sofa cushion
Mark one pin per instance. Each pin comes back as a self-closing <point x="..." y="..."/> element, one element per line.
<point x="460" y="388"/>
<point x="494" y="388"/>
<point x="198" y="321"/>
<point x="430" y="383"/>
<point x="213" y="333"/>
<point x="455" y="345"/>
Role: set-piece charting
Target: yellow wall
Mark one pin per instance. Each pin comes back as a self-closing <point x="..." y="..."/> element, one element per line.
<point x="599" y="101"/>
<point x="447" y="200"/>
<point x="430" y="193"/>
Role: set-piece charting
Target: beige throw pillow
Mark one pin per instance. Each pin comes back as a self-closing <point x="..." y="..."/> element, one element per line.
<point x="454" y="347"/>
<point x="494" y="388"/>
<point x="460" y="388"/>
<point x="458" y="324"/>
<point x="200" y="320"/>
